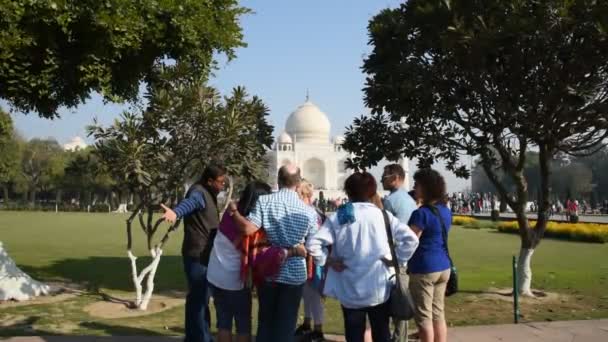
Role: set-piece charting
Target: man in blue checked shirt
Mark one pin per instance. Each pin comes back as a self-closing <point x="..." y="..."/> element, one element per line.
<point x="287" y="221"/>
<point x="201" y="220"/>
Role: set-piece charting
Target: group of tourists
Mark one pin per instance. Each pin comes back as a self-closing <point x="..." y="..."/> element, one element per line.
<point x="279" y="244"/>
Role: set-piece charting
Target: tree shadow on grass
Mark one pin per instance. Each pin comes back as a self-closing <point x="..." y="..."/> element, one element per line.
<point x="110" y="273"/>
<point x="26" y="327"/>
<point x="479" y="292"/>
<point x="118" y="330"/>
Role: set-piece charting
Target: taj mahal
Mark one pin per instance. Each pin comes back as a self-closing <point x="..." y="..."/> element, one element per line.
<point x="306" y="141"/>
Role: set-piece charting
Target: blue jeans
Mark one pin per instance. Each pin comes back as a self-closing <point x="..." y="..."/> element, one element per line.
<point x="197" y="301"/>
<point x="354" y="323"/>
<point x="278" y="312"/>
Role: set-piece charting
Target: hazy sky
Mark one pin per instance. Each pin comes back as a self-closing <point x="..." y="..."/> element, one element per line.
<point x="292" y="46"/>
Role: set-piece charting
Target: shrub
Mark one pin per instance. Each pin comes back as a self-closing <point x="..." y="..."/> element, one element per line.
<point x="460" y="220"/>
<point x="472" y="223"/>
<point x="584" y="232"/>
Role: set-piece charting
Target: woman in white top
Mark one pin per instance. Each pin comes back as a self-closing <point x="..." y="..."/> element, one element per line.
<point x="231" y="297"/>
<point x="360" y="277"/>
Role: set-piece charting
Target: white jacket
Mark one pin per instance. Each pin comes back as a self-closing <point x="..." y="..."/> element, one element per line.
<point x="366" y="281"/>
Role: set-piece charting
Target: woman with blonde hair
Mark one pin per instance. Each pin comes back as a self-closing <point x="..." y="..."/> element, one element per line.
<point x="313" y="303"/>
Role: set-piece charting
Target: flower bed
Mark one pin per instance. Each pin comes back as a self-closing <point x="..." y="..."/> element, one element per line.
<point x="459" y="220"/>
<point x="585" y="232"/>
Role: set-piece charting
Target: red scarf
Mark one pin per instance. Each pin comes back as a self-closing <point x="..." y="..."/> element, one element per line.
<point x="259" y="259"/>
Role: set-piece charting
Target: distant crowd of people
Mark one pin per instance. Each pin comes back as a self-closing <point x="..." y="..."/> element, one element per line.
<point x="476" y="203"/>
<point x="283" y="247"/>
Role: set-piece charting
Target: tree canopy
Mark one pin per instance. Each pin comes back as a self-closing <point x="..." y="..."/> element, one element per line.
<point x="55" y="53"/>
<point x="42" y="165"/>
<point x="9" y="148"/>
<point x="487" y="78"/>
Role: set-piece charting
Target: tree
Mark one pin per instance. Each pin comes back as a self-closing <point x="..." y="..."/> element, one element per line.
<point x="9" y="153"/>
<point x="55" y="53"/>
<point x="492" y="79"/>
<point x="571" y="181"/>
<point x="6" y="127"/>
<point x="85" y="174"/>
<point x="156" y="151"/>
<point x="42" y="166"/>
<point x="598" y="164"/>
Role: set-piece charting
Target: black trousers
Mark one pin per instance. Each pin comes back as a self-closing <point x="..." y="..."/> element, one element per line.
<point x="354" y="323"/>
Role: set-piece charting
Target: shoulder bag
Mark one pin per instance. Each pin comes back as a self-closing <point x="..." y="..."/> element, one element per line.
<point x="400" y="302"/>
<point x="452" y="286"/>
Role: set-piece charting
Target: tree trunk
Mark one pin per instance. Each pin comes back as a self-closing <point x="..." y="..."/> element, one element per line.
<point x="524" y="272"/>
<point x="156" y="254"/>
<point x="33" y="197"/>
<point x="531" y="237"/>
<point x="149" y="273"/>
<point x="5" y="195"/>
<point x="57" y="199"/>
<point x="528" y="243"/>
<point x="503" y="204"/>
<point x="228" y="196"/>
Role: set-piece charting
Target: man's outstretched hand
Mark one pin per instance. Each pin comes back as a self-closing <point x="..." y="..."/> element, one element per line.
<point x="169" y="215"/>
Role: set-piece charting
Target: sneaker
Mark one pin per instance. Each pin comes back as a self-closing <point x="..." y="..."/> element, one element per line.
<point x="302" y="330"/>
<point x="316" y="336"/>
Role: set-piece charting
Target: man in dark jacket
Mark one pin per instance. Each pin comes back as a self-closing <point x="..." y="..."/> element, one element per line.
<point x="201" y="220"/>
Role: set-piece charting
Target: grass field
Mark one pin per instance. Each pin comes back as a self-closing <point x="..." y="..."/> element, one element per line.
<point x="88" y="249"/>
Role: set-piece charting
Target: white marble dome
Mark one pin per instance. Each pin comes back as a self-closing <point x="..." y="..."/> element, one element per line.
<point x="339" y="140"/>
<point x="308" y="124"/>
<point x="284" y="138"/>
<point x="76" y="143"/>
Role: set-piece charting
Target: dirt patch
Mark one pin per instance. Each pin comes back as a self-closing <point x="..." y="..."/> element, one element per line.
<point x="507" y="296"/>
<point x="13" y="320"/>
<point x="64" y="328"/>
<point x="120" y="308"/>
<point x="58" y="296"/>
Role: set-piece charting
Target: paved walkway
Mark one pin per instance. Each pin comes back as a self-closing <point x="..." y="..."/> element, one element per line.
<point x="571" y="331"/>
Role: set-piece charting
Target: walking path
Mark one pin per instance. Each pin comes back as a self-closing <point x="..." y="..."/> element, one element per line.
<point x="569" y="331"/>
<point x="556" y="217"/>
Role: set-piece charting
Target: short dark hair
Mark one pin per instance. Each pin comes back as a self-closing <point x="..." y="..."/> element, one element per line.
<point x="432" y="183"/>
<point x="360" y="187"/>
<point x="213" y="172"/>
<point x="287" y="178"/>
<point x="395" y="169"/>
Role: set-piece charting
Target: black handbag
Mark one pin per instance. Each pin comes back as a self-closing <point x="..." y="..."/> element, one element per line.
<point x="452" y="286"/>
<point x="400" y="301"/>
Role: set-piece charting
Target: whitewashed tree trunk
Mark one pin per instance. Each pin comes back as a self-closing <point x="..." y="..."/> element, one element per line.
<point x="524" y="272"/>
<point x="228" y="196"/>
<point x="150" y="282"/>
<point x="135" y="277"/>
<point x="143" y="299"/>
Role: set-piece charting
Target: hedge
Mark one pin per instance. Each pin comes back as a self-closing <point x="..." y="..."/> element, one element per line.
<point x="584" y="232"/>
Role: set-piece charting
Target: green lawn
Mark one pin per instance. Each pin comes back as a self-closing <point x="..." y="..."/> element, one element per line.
<point x="88" y="249"/>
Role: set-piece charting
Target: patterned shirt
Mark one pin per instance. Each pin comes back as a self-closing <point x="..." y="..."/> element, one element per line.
<point x="287" y="221"/>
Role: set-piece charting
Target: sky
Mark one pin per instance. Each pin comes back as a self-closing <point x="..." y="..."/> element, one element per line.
<point x="293" y="47"/>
